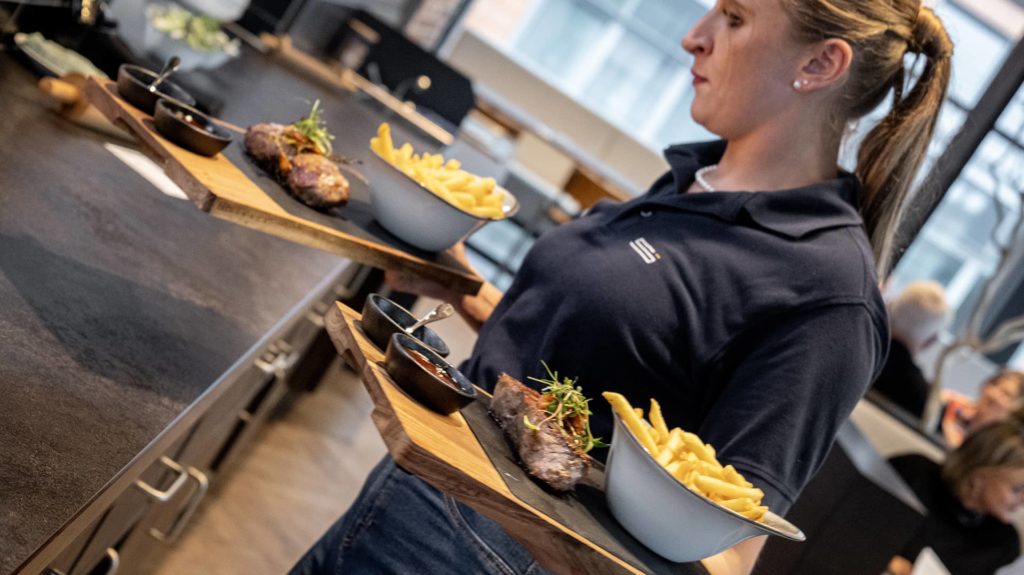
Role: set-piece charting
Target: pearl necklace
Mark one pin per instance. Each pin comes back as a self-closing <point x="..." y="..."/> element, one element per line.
<point x="699" y="177"/>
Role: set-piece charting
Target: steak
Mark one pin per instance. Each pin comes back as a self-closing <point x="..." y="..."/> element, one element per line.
<point x="266" y="142"/>
<point x="317" y="182"/>
<point x="313" y="179"/>
<point x="547" y="452"/>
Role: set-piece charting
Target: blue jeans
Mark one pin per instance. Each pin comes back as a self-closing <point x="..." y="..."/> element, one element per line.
<point x="400" y="524"/>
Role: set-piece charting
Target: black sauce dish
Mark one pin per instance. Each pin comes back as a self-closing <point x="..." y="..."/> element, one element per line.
<point x="383" y="317"/>
<point x="190" y="128"/>
<point x="133" y="85"/>
<point x="426" y="377"/>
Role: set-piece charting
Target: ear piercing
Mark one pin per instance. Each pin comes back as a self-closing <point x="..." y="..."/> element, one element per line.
<point x="799" y="84"/>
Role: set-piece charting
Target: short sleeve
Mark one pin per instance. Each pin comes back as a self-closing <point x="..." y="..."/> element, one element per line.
<point x="784" y="391"/>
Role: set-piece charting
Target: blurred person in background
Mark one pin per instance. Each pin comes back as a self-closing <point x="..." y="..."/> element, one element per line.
<point x="971" y="500"/>
<point x="916" y="318"/>
<point x="999" y="396"/>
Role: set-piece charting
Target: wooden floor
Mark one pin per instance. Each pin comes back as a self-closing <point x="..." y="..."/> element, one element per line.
<point x="302" y="473"/>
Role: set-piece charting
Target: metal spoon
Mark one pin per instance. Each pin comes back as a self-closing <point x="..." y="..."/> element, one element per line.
<point x="169" y="68"/>
<point x="438" y="313"/>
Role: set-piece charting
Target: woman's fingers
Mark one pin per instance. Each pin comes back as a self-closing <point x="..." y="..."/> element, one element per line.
<point x="458" y="251"/>
<point x="414" y="284"/>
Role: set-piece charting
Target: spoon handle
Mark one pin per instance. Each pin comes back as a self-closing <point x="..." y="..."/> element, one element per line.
<point x="169" y="68"/>
<point x="440" y="312"/>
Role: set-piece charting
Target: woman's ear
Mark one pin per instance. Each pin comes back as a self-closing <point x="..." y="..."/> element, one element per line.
<point x="827" y="64"/>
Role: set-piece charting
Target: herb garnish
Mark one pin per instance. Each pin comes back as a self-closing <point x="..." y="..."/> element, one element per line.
<point x="568" y="408"/>
<point x="313" y="128"/>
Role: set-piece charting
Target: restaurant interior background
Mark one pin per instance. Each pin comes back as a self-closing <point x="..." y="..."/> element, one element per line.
<point x="608" y="86"/>
<point x="577" y="98"/>
<point x="610" y="77"/>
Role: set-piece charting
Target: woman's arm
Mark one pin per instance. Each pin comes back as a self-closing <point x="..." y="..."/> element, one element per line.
<point x="899" y="566"/>
<point x="475" y="309"/>
<point x="784" y="388"/>
<point x="737" y="560"/>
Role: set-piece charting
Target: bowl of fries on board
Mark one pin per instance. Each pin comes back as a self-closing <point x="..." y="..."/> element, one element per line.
<point x="428" y="201"/>
<point x="669" y="491"/>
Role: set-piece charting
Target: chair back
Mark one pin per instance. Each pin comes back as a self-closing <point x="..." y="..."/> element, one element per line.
<point x="396" y="62"/>
<point x="853" y="525"/>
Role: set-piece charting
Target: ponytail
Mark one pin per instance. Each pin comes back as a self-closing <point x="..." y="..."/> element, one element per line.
<point x="892" y="152"/>
<point x="881" y="33"/>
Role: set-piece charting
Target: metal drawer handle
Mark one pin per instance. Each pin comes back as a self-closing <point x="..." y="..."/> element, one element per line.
<point x="202" y="486"/>
<point x="112" y="554"/>
<point x="164" y="496"/>
<point x="316" y="317"/>
<point x="115" y="561"/>
<point x="280" y="365"/>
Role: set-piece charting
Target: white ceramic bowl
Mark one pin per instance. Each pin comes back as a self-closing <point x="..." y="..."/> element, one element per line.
<point x="415" y="214"/>
<point x="666" y="516"/>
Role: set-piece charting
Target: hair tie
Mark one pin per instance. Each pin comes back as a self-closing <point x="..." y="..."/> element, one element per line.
<point x="928" y="37"/>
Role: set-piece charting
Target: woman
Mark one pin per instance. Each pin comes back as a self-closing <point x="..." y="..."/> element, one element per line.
<point x="971" y="500"/>
<point x="916" y="318"/>
<point x="751" y="314"/>
<point x="999" y="396"/>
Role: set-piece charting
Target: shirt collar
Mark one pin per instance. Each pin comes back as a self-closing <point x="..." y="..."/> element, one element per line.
<point x="793" y="213"/>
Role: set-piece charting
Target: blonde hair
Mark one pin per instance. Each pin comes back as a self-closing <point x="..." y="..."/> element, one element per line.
<point x="1016" y="376"/>
<point x="880" y="34"/>
<point x="918" y="313"/>
<point x="998" y="444"/>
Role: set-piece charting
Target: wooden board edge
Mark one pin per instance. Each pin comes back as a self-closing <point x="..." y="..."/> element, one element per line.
<point x="458" y="281"/>
<point x="335" y="324"/>
<point x="99" y="94"/>
<point x="519" y="519"/>
<point x="285" y="53"/>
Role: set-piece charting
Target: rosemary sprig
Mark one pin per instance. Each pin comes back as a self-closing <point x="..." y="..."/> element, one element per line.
<point x="313" y="127"/>
<point x="569" y="409"/>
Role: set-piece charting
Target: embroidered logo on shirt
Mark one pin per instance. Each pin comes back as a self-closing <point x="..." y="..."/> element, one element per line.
<point x="645" y="250"/>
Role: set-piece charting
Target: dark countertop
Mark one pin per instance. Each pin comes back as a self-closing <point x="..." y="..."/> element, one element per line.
<point x="119" y="306"/>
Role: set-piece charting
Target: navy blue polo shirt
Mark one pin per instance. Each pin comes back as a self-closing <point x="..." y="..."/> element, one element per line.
<point x="754" y="318"/>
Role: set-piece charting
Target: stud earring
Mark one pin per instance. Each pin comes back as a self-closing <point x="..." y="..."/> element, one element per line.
<point x="799" y="84"/>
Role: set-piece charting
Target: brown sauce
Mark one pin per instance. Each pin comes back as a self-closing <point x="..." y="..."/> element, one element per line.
<point x="432" y="367"/>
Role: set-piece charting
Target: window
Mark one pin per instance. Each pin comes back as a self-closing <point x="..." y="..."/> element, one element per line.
<point x="621" y="58"/>
<point x="958" y="245"/>
<point x="977" y="55"/>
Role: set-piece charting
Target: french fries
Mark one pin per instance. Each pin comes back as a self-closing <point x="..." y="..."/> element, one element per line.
<point x="690" y="460"/>
<point x="476" y="195"/>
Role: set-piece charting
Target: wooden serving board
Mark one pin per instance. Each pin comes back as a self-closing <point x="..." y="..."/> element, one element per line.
<point x="222" y="188"/>
<point x="443" y="451"/>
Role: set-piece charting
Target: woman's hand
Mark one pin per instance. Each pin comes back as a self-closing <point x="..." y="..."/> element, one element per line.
<point x="475" y="309"/>
<point x="736" y="560"/>
<point x="411" y="283"/>
<point x="414" y="284"/>
<point x="899" y="566"/>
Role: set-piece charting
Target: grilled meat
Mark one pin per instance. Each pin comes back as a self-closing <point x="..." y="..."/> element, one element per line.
<point x="283" y="151"/>
<point x="266" y="143"/>
<point x="547" y="452"/>
<point x="317" y="182"/>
